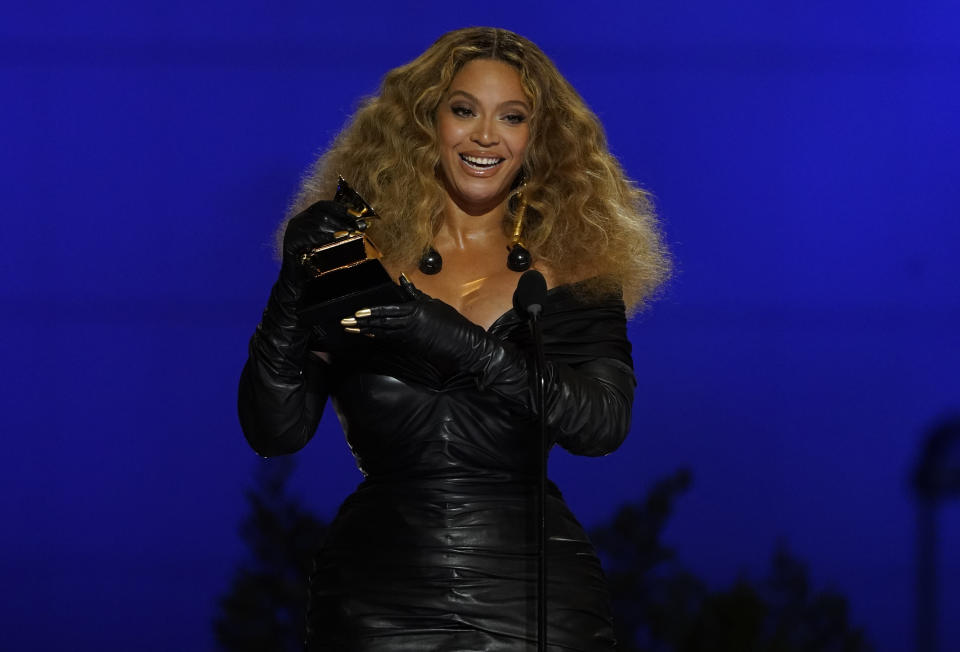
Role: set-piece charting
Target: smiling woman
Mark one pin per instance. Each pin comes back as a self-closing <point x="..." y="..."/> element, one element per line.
<point x="436" y="549"/>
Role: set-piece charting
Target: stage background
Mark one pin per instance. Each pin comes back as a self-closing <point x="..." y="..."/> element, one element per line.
<point x="804" y="160"/>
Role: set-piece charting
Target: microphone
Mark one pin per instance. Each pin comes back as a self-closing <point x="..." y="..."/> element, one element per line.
<point x="531" y="294"/>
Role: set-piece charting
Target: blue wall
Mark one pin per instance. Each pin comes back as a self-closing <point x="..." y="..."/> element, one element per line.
<point x="803" y="157"/>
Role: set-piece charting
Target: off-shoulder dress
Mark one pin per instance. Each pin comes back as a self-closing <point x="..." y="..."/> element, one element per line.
<point x="436" y="548"/>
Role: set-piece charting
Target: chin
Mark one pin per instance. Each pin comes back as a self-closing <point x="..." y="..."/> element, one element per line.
<point x="486" y="199"/>
<point x="469" y="193"/>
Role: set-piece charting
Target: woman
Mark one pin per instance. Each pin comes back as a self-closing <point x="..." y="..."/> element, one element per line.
<point x="436" y="549"/>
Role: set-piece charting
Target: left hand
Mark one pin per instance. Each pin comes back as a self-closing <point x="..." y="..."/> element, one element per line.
<point x="430" y="327"/>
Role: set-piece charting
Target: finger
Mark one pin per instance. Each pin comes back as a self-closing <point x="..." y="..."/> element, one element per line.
<point x="383" y="320"/>
<point x="322" y="217"/>
<point x="408" y="287"/>
<point x="388" y="310"/>
<point x="411" y="289"/>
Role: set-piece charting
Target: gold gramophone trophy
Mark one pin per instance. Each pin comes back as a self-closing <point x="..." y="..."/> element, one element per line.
<point x="346" y="274"/>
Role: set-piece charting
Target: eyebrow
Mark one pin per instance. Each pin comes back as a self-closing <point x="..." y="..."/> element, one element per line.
<point x="473" y="98"/>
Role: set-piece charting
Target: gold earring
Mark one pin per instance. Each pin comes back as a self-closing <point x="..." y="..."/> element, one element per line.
<point x="519" y="259"/>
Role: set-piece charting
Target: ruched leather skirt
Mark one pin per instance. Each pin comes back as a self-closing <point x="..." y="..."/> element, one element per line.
<point x="451" y="564"/>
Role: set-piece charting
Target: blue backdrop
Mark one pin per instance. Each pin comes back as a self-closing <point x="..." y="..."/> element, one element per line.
<point x="804" y="160"/>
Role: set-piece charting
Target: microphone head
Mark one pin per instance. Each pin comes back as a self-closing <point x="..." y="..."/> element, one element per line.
<point x="531" y="293"/>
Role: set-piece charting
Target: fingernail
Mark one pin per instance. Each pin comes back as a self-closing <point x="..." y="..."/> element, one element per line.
<point x="348" y="321"/>
<point x="351" y="330"/>
<point x="363" y="312"/>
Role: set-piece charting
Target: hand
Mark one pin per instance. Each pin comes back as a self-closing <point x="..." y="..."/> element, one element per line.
<point x="317" y="225"/>
<point x="280" y="338"/>
<point x="429" y="327"/>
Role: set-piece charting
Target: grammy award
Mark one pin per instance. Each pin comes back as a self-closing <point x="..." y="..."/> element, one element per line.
<point x="346" y="274"/>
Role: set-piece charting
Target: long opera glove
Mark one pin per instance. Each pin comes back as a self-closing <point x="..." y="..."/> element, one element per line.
<point x="283" y="387"/>
<point x="588" y="405"/>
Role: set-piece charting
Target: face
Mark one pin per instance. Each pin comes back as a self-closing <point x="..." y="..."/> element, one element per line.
<point x="483" y="128"/>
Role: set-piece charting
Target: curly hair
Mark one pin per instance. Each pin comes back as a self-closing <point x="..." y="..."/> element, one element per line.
<point x="585" y="220"/>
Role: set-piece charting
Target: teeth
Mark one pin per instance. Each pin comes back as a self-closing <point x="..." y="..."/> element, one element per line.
<point x="478" y="160"/>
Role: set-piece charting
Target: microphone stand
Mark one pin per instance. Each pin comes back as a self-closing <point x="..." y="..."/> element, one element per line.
<point x="539" y="406"/>
<point x="528" y="300"/>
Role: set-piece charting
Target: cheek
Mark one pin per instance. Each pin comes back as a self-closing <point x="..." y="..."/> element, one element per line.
<point x="449" y="132"/>
<point x="520" y="144"/>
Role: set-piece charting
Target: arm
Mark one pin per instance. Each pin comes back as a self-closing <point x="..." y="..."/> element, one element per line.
<point x="283" y="386"/>
<point x="588" y="399"/>
<point x="588" y="406"/>
<point x="282" y="390"/>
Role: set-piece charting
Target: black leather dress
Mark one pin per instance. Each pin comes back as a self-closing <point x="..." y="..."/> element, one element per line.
<point x="436" y="549"/>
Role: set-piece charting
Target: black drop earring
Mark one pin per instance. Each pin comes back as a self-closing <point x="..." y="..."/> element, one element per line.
<point x="431" y="262"/>
<point x="519" y="259"/>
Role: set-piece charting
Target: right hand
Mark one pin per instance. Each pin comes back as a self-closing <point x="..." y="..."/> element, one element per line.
<point x="313" y="227"/>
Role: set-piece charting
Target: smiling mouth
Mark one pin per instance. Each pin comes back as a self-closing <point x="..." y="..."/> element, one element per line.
<point x="481" y="162"/>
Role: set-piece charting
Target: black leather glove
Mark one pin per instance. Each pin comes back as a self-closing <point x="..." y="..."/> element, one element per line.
<point x="282" y="387"/>
<point x="587" y="407"/>
<point x="315" y="226"/>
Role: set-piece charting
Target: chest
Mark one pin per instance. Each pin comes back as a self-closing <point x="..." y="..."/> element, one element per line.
<point x="480" y="288"/>
<point x="480" y="298"/>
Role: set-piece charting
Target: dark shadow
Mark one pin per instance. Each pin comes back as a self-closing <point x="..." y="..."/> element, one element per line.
<point x="265" y="607"/>
<point x="935" y="478"/>
<point x="659" y="606"/>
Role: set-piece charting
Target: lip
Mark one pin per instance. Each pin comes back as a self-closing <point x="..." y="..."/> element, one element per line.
<point x="477" y="171"/>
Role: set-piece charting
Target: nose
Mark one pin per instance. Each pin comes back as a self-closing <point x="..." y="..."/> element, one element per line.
<point x="485" y="134"/>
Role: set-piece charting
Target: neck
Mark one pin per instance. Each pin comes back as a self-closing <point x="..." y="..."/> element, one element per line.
<point x="465" y="228"/>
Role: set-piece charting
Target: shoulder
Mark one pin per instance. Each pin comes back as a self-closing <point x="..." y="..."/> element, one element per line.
<point x="579" y="324"/>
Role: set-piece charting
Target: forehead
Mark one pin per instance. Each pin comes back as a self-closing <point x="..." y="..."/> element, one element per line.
<point x="489" y="79"/>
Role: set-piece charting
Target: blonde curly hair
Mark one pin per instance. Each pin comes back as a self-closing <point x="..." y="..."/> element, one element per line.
<point x="585" y="220"/>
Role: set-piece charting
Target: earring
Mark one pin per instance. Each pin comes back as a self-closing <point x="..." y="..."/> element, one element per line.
<point x="519" y="259"/>
<point x="431" y="262"/>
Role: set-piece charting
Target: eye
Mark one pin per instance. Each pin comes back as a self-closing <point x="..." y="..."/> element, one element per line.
<point x="515" y="118"/>
<point x="461" y="111"/>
